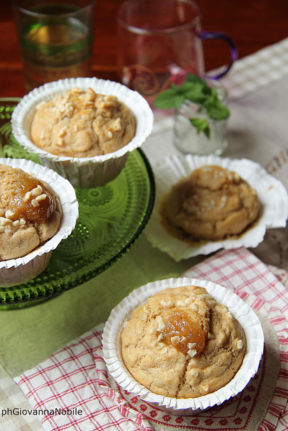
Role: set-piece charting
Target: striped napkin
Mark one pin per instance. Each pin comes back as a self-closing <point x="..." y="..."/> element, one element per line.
<point x="72" y="390"/>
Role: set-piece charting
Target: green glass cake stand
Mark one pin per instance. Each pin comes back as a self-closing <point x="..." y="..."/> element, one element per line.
<point x="111" y="217"/>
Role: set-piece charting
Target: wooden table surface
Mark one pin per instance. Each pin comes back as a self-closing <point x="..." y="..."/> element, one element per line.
<point x="252" y="24"/>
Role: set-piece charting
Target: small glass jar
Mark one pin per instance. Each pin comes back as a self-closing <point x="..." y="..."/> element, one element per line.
<point x="186" y="137"/>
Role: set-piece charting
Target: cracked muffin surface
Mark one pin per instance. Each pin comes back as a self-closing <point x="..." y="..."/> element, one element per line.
<point x="182" y="343"/>
<point x="81" y="123"/>
<point x="211" y="204"/>
<point x="30" y="212"/>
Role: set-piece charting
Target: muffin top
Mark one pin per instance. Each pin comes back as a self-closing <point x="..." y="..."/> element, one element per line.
<point x="30" y="212"/>
<point x="81" y="123"/>
<point x="213" y="203"/>
<point x="182" y="343"/>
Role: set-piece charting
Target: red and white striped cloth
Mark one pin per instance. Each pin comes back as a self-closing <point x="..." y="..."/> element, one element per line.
<point x="71" y="391"/>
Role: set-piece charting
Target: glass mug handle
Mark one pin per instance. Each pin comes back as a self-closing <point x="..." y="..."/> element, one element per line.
<point x="233" y="50"/>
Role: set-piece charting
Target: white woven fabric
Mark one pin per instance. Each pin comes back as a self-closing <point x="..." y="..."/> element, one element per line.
<point x="258" y="70"/>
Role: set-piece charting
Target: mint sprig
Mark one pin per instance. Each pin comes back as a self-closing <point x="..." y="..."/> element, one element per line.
<point x="201" y="125"/>
<point x="197" y="91"/>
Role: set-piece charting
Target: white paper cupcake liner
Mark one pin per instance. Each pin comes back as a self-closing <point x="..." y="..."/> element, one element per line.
<point x="84" y="171"/>
<point x="239" y="309"/>
<point x="271" y="193"/>
<point x="22" y="269"/>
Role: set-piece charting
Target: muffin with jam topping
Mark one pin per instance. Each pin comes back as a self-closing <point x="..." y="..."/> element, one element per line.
<point x="182" y="343"/>
<point x="38" y="209"/>
<point x="30" y="213"/>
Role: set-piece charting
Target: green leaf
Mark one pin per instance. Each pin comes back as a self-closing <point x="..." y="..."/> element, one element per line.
<point x="216" y="110"/>
<point x="220" y="113"/>
<point x="201" y="125"/>
<point x="171" y="98"/>
<point x="174" y="87"/>
<point x="193" y="92"/>
<point x="195" y="79"/>
<point x="179" y="100"/>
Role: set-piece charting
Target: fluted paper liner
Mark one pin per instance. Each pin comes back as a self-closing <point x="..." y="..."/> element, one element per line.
<point x="271" y="193"/>
<point x="84" y="171"/>
<point x="239" y="309"/>
<point x="20" y="270"/>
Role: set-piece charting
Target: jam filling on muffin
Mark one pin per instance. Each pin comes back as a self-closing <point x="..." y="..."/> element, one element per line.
<point x="184" y="331"/>
<point x="30" y="212"/>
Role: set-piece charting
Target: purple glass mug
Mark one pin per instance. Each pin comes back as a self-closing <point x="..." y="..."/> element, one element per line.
<point x="159" y="41"/>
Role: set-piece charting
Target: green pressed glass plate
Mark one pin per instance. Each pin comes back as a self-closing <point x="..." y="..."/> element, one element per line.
<point x="111" y="217"/>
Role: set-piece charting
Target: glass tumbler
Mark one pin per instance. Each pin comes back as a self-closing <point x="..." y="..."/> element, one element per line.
<point x="188" y="140"/>
<point x="55" y="39"/>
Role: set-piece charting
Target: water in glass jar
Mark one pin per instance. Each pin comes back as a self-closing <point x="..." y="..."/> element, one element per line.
<point x="55" y="47"/>
<point x="188" y="140"/>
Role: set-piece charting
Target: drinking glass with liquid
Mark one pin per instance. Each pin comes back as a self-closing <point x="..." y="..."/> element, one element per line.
<point x="55" y="39"/>
<point x="188" y="139"/>
<point x="159" y="42"/>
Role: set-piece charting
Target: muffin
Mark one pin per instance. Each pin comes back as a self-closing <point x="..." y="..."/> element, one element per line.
<point x="83" y="128"/>
<point x="82" y="123"/>
<point x="177" y="328"/>
<point x="38" y="209"/>
<point x="30" y="213"/>
<point x="182" y="343"/>
<point x="212" y="203"/>
<point x="172" y="170"/>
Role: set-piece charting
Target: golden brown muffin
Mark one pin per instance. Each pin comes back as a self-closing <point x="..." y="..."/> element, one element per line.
<point x="213" y="203"/>
<point x="30" y="213"/>
<point x="182" y="343"/>
<point x="81" y="123"/>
